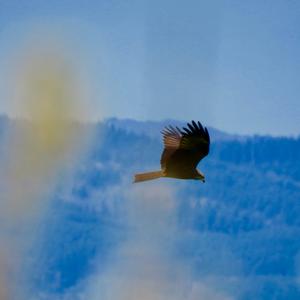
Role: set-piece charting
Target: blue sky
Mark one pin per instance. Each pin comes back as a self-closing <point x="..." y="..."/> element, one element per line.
<point x="232" y="64"/>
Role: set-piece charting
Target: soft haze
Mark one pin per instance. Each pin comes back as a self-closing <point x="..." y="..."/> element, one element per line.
<point x="232" y="64"/>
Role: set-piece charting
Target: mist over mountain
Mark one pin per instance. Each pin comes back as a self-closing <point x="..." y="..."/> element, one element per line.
<point x="238" y="232"/>
<point x="153" y="128"/>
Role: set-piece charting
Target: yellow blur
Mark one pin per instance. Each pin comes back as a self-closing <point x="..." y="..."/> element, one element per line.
<point x="47" y="97"/>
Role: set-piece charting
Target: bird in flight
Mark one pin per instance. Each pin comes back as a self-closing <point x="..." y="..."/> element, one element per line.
<point x="183" y="150"/>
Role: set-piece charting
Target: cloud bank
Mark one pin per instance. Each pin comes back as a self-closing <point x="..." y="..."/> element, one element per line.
<point x="147" y="265"/>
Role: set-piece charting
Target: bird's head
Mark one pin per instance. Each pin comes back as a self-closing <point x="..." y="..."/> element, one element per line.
<point x="200" y="176"/>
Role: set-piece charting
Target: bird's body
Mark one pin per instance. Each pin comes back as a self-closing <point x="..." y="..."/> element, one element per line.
<point x="183" y="149"/>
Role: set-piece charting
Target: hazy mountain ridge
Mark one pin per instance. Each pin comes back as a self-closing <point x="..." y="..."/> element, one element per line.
<point x="153" y="128"/>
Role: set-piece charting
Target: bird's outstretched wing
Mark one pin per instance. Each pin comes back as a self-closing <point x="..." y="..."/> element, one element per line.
<point x="171" y="138"/>
<point x="189" y="144"/>
<point x="196" y="140"/>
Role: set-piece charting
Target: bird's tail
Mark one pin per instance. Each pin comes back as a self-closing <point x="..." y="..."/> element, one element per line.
<point x="148" y="176"/>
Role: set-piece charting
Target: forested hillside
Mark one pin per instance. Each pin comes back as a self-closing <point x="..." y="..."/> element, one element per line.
<point x="241" y="227"/>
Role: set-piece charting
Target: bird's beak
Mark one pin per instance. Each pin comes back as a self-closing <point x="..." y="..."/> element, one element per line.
<point x="203" y="180"/>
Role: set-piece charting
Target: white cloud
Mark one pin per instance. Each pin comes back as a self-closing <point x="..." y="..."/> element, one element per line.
<point x="147" y="266"/>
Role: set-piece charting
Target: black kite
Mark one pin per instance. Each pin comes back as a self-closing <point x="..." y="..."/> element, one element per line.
<point x="183" y="149"/>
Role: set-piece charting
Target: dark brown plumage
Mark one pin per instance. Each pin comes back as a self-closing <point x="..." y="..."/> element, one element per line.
<point x="183" y="150"/>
